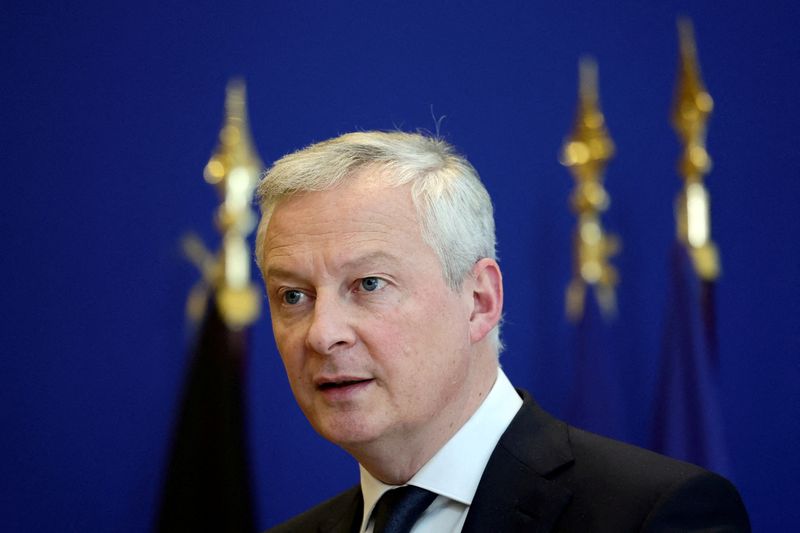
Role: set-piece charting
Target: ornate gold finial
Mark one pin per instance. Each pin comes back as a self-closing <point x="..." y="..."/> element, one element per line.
<point x="234" y="169"/>
<point x="690" y="114"/>
<point x="586" y="153"/>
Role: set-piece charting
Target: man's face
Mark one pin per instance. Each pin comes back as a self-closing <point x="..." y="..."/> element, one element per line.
<point x="375" y="343"/>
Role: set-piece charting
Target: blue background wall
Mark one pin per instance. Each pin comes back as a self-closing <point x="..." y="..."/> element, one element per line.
<point x="109" y="111"/>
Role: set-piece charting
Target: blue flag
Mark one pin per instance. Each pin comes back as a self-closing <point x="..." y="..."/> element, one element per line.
<point x="596" y="400"/>
<point x="687" y="421"/>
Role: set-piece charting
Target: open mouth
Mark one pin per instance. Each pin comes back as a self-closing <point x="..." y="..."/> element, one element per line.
<point x="342" y="384"/>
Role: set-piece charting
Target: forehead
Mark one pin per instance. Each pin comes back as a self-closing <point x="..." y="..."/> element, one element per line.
<point x="360" y="215"/>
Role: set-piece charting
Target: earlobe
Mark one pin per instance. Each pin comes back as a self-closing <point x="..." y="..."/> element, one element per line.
<point x="487" y="298"/>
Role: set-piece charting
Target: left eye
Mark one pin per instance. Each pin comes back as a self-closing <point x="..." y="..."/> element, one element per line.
<point x="372" y="284"/>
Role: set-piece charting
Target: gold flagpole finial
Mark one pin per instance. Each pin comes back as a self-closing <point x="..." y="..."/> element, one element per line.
<point x="234" y="169"/>
<point x="586" y="153"/>
<point x="690" y="114"/>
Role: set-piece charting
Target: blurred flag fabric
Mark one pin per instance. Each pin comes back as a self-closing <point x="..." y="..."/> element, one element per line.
<point x="688" y="421"/>
<point x="595" y="403"/>
<point x="208" y="487"/>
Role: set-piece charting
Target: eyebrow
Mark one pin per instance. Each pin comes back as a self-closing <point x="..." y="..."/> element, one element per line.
<point x="279" y="272"/>
<point x="367" y="259"/>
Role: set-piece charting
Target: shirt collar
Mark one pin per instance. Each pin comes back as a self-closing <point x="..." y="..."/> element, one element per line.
<point x="457" y="467"/>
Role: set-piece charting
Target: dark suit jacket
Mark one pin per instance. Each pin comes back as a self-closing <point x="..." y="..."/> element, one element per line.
<point x="547" y="476"/>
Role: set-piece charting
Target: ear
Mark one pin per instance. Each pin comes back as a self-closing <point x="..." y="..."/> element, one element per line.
<point x="487" y="298"/>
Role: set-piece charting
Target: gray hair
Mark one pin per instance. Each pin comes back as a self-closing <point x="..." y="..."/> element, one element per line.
<point x="452" y="204"/>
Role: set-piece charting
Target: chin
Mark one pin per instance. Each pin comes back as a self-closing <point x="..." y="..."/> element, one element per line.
<point x="346" y="433"/>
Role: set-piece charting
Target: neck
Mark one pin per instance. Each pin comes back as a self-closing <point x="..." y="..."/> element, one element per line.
<point x="395" y="459"/>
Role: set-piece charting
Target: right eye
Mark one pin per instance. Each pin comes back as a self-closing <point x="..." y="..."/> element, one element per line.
<point x="292" y="297"/>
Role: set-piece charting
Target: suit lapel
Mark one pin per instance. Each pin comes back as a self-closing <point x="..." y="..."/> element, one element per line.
<point x="349" y="519"/>
<point x="516" y="492"/>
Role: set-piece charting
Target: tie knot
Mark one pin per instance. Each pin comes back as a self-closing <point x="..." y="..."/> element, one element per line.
<point x="398" y="509"/>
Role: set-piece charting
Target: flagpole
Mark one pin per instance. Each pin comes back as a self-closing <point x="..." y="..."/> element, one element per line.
<point x="691" y="110"/>
<point x="586" y="153"/>
<point x="234" y="169"/>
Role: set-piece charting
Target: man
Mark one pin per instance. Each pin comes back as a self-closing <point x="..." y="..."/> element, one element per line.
<point x="378" y="253"/>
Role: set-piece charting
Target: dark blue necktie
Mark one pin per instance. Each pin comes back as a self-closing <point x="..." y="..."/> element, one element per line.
<point x="398" y="509"/>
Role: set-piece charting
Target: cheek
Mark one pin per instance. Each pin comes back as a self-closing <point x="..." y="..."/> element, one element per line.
<point x="439" y="327"/>
<point x="291" y="349"/>
<point x="298" y="381"/>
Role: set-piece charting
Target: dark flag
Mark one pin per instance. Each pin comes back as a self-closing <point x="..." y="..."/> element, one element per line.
<point x="596" y="401"/>
<point x="207" y="481"/>
<point x="688" y="423"/>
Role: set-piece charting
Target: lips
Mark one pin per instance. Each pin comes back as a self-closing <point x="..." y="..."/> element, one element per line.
<point x="343" y="389"/>
<point x="342" y="383"/>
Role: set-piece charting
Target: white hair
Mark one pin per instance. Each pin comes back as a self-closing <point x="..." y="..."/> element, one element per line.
<point x="452" y="204"/>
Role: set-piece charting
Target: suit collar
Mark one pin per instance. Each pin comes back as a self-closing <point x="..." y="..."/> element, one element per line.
<point x="517" y="491"/>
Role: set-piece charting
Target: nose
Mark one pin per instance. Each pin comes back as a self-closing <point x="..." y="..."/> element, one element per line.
<point x="330" y="330"/>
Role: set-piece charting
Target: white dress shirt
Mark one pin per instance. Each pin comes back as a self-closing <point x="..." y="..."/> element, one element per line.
<point x="456" y="469"/>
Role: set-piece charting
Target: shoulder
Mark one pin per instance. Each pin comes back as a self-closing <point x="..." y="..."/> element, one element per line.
<point x="655" y="491"/>
<point x="325" y="516"/>
<point x="615" y="486"/>
<point x="623" y="466"/>
<point x="617" y="482"/>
